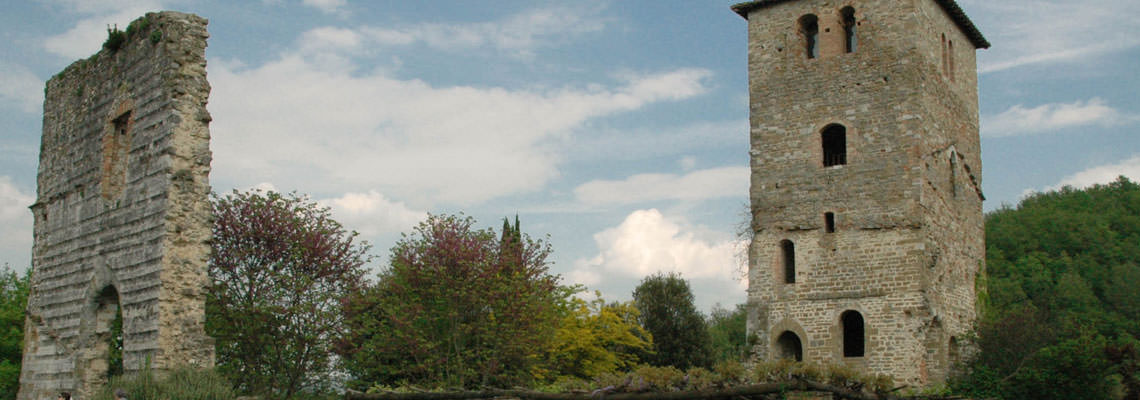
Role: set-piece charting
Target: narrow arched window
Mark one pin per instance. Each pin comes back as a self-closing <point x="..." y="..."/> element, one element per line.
<point x="950" y="58"/>
<point x="829" y="222"/>
<point x="834" y="145"/>
<point x="790" y="347"/>
<point x="788" y="256"/>
<point x="848" y="15"/>
<point x="853" y="333"/>
<point x="945" y="59"/>
<point x="809" y="27"/>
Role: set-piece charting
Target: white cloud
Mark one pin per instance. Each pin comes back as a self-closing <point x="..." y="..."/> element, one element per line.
<point x="697" y="185"/>
<point x="647" y="242"/>
<point x="1028" y="32"/>
<point x="462" y="145"/>
<point x="16" y="237"/>
<point x="1018" y="120"/>
<point x="373" y="214"/>
<point x="326" y="6"/>
<point x="20" y="88"/>
<point x="1102" y="174"/>
<point x="87" y="36"/>
<point x="518" y="34"/>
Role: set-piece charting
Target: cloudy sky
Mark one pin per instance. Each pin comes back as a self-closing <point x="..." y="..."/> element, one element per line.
<point x="617" y="129"/>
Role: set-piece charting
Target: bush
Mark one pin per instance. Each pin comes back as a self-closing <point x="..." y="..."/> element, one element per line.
<point x="180" y="384"/>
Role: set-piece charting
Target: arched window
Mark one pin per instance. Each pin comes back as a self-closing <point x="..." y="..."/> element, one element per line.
<point x="950" y="57"/>
<point x="809" y="27"/>
<point x="109" y="330"/>
<point x="790" y="347"/>
<point x="945" y="67"/>
<point x="848" y="15"/>
<point x="853" y="334"/>
<point x="788" y="257"/>
<point x="834" y="145"/>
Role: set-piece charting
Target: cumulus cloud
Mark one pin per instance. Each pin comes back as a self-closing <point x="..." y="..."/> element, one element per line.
<point x="1102" y="174"/>
<point x="1018" y="120"/>
<point x="16" y="237"/>
<point x="1034" y="32"/>
<point x="87" y="36"/>
<point x="518" y="34"/>
<point x="647" y="242"/>
<point x="696" y="185"/>
<point x="462" y="145"/>
<point x="326" y="6"/>
<point x="20" y="88"/>
<point x="373" y="214"/>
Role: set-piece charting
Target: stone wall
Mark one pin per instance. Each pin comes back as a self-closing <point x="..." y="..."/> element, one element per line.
<point x="122" y="217"/>
<point x="907" y="243"/>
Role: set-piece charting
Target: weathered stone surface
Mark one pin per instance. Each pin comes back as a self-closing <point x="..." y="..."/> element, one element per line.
<point x="122" y="216"/>
<point x="907" y="245"/>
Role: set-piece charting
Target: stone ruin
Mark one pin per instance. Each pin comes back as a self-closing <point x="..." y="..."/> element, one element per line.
<point x="122" y="212"/>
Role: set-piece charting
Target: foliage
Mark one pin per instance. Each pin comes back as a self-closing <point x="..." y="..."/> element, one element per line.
<point x="280" y="269"/>
<point x="456" y="307"/>
<point x="1063" y="306"/>
<point x="13" y="301"/>
<point x="594" y="338"/>
<point x="728" y="333"/>
<point x="115" y="39"/>
<point x="180" y="384"/>
<point x="680" y="338"/>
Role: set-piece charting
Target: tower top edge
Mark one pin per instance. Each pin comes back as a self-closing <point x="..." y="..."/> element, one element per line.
<point x="950" y="6"/>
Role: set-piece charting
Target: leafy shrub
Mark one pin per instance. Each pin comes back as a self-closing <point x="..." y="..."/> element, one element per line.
<point x="180" y="384"/>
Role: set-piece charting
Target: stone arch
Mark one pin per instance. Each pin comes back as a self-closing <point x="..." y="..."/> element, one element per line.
<point x="102" y="355"/>
<point x="854" y="330"/>
<point x="833" y="138"/>
<point x="788" y="339"/>
<point x="809" y="29"/>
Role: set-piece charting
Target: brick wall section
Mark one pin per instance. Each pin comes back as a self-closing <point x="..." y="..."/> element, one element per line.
<point x="122" y="202"/>
<point x="908" y="242"/>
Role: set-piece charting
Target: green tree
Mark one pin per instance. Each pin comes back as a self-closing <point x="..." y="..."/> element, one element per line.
<point x="280" y="269"/>
<point x="1063" y="306"/>
<point x="594" y="338"/>
<point x="680" y="338"/>
<point x="456" y="307"/>
<point x="728" y="333"/>
<point x="13" y="302"/>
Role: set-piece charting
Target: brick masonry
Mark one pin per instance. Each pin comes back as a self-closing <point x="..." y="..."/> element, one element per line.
<point x="122" y="215"/>
<point x="907" y="247"/>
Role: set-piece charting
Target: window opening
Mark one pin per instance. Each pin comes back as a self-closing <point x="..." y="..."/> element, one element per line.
<point x="109" y="330"/>
<point x="945" y="68"/>
<point x="809" y="27"/>
<point x="848" y="14"/>
<point x="829" y="222"/>
<point x="788" y="251"/>
<point x="853" y="334"/>
<point x="950" y="57"/>
<point x="834" y="145"/>
<point x="790" y="346"/>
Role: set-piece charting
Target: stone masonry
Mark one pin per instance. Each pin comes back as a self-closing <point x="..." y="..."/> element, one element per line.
<point x="866" y="183"/>
<point x="122" y="215"/>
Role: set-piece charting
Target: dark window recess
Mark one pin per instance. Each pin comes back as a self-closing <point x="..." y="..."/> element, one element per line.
<point x="829" y="222"/>
<point x="809" y="27"/>
<point x="848" y="14"/>
<point x="834" y="145"/>
<point x="788" y="251"/>
<point x="790" y="346"/>
<point x="853" y="334"/>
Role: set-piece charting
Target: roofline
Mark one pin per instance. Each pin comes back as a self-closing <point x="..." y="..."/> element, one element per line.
<point x="950" y="6"/>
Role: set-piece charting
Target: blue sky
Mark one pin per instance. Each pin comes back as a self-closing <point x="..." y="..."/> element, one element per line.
<point x="618" y="128"/>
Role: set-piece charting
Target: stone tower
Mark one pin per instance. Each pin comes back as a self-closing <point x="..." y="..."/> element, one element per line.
<point x="866" y="183"/>
<point x="122" y="214"/>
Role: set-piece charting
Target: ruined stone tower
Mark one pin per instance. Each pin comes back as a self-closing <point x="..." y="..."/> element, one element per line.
<point x="866" y="183"/>
<point x="122" y="214"/>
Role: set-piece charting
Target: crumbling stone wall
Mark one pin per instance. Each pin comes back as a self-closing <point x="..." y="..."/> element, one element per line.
<point x="907" y="245"/>
<point x="122" y="216"/>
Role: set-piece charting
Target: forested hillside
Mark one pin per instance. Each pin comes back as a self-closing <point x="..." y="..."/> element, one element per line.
<point x="1061" y="306"/>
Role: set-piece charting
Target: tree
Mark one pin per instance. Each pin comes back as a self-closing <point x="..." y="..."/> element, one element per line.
<point x="456" y="307"/>
<point x="728" y="333"/>
<point x="13" y="302"/>
<point x="680" y="338"/>
<point x="280" y="269"/>
<point x="594" y="338"/>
